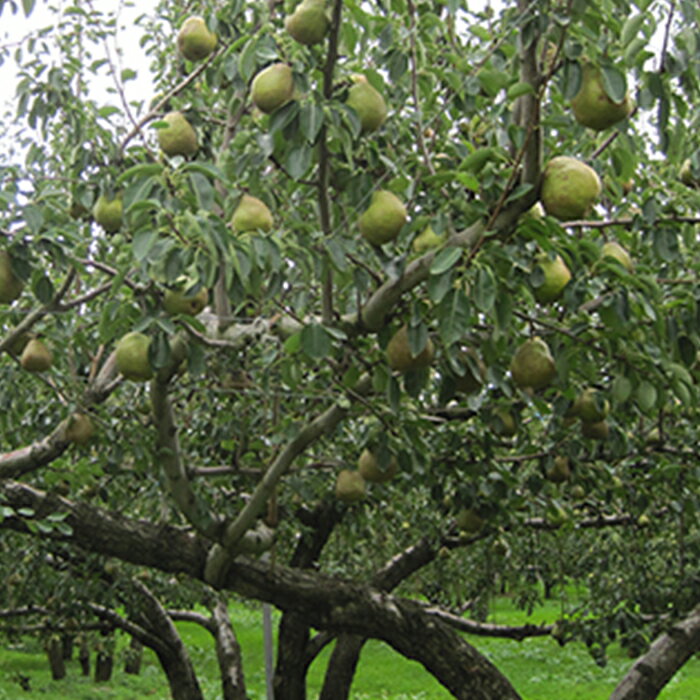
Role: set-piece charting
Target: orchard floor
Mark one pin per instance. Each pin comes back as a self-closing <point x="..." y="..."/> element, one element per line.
<point x="539" y="668"/>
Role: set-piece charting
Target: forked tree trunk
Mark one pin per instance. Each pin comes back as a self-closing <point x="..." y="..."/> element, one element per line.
<point x="652" y="671"/>
<point x="54" y="652"/>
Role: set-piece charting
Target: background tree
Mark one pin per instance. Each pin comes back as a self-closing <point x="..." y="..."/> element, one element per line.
<point x="320" y="224"/>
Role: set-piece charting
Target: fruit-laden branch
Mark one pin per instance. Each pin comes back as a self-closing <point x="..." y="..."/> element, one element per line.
<point x="326" y="603"/>
<point x="44" y="451"/>
<point x="220" y="558"/>
<point x="652" y="671"/>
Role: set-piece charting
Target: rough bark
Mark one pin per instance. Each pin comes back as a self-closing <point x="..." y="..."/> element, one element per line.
<point x="84" y="655"/>
<point x="104" y="663"/>
<point x="228" y="654"/>
<point x="652" y="671"/>
<point x="54" y="652"/>
<point x="327" y="603"/>
<point x="341" y="667"/>
<point x="293" y="658"/>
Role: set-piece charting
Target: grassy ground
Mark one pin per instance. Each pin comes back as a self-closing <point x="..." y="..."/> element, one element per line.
<point x="538" y="668"/>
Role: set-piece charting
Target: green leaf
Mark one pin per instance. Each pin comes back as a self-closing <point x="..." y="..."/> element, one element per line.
<point x="315" y="341"/>
<point x="484" y="289"/>
<point x="143" y="243"/>
<point x="298" y="161"/>
<point x="621" y="389"/>
<point x="445" y="260"/>
<point x="453" y="316"/>
<point x="519" y="89"/>
<point x="204" y="191"/>
<point x="138" y="171"/>
<point x="631" y="28"/>
<point x="646" y="397"/>
<point x="477" y="160"/>
<point x="28" y="6"/>
<point x="614" y="83"/>
<point x="311" y="121"/>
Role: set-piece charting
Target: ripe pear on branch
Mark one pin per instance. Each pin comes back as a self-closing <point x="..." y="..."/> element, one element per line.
<point x="370" y="469"/>
<point x="427" y="240"/>
<point x="272" y="87"/>
<point x="569" y="188"/>
<point x="532" y="365"/>
<point x="469" y="521"/>
<point x="251" y="214"/>
<point x="591" y="406"/>
<point x="368" y="102"/>
<point x="178" y="301"/>
<point x="309" y="23"/>
<point x="108" y="212"/>
<point x="36" y="357"/>
<point x="556" y="276"/>
<point x="195" y="41"/>
<point x="595" y="431"/>
<point x="593" y="107"/>
<point x="382" y="221"/>
<point x="400" y="357"/>
<point x="132" y="357"/>
<point x="559" y="471"/>
<point x="178" y="138"/>
<point x="11" y="286"/>
<point x="612" y="249"/>
<point x="78" y="428"/>
<point x="350" y="487"/>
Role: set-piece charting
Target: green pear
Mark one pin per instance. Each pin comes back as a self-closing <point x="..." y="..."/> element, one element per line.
<point x="569" y="188"/>
<point x="308" y="24"/>
<point x="504" y="423"/>
<point x="177" y="301"/>
<point x="195" y="41"/>
<point x="78" y="429"/>
<point x="591" y="406"/>
<point x="399" y="356"/>
<point x="556" y="276"/>
<point x="469" y="521"/>
<point x="178" y="138"/>
<point x="11" y="286"/>
<point x="560" y="470"/>
<point x="368" y="103"/>
<point x="272" y="87"/>
<point x="383" y="219"/>
<point x="427" y="240"/>
<point x="532" y="365"/>
<point x="251" y="214"/>
<point x="595" y="431"/>
<point x="370" y="470"/>
<point x="612" y="249"/>
<point x="108" y="213"/>
<point x="350" y="486"/>
<point x="132" y="357"/>
<point x="36" y="357"/>
<point x="592" y="107"/>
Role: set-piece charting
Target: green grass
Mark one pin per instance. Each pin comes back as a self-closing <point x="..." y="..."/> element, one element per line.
<point x="539" y="668"/>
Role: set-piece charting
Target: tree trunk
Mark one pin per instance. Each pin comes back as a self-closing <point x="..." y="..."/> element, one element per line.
<point x="84" y="655"/>
<point x="341" y="667"/>
<point x="67" y="642"/>
<point x="54" y="652"/>
<point x="652" y="671"/>
<point x="104" y="662"/>
<point x="325" y="602"/>
<point x="228" y="654"/>
<point x="134" y="657"/>
<point x="292" y="662"/>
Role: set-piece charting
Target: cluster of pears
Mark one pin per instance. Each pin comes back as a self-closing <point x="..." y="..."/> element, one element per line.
<point x="351" y="484"/>
<point x="108" y="212"/>
<point x="11" y="285"/>
<point x="592" y="408"/>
